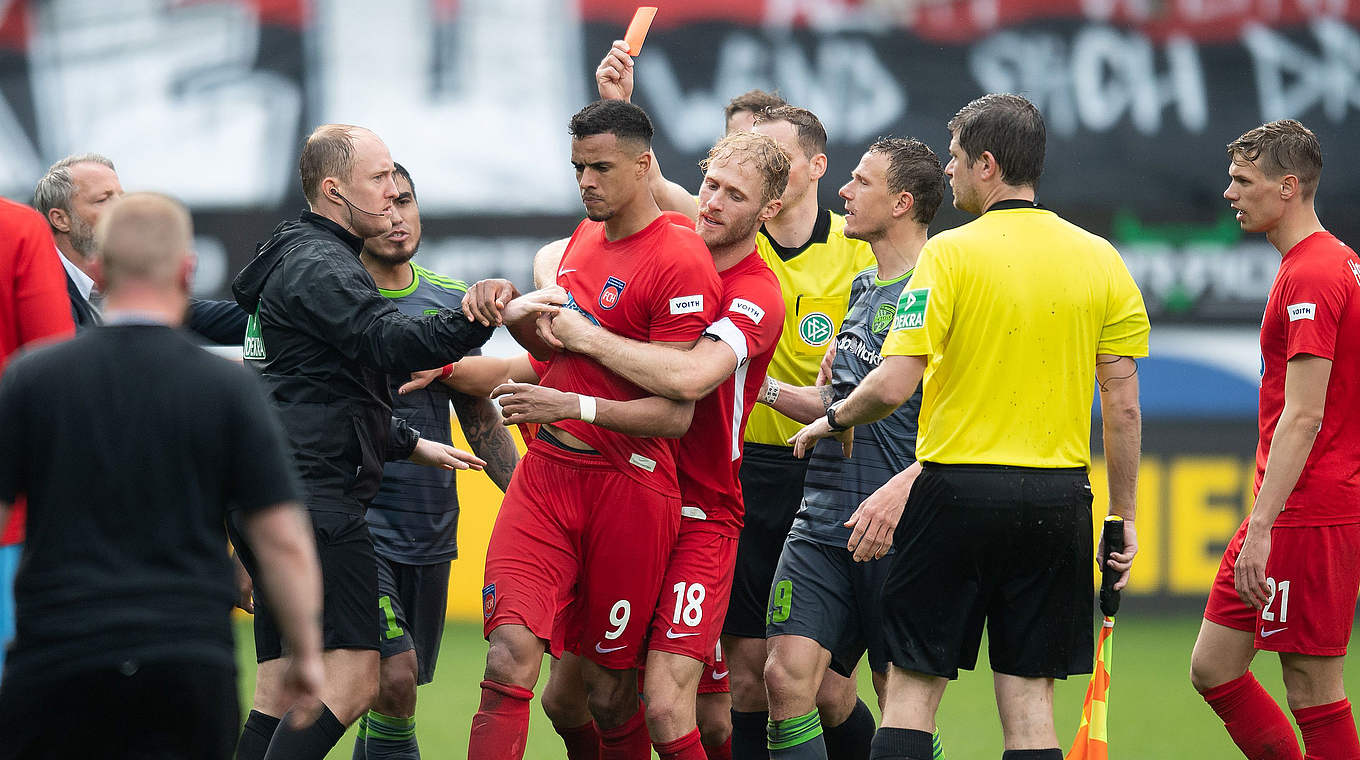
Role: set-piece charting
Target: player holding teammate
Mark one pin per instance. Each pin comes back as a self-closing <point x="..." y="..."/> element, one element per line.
<point x="414" y="518"/>
<point x="744" y="177"/>
<point x="805" y="246"/>
<point x="583" y="491"/>
<point x="825" y="602"/>
<point x="1288" y="579"/>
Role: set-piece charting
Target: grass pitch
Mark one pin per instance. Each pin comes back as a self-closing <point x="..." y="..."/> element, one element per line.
<point x="1153" y="711"/>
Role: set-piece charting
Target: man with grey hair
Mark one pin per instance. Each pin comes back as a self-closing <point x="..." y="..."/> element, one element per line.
<point x="72" y="195"/>
<point x="124" y="590"/>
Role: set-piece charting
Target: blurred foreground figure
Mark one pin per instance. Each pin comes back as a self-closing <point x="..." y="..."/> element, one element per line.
<point x="1289" y="577"/>
<point x="131" y="444"/>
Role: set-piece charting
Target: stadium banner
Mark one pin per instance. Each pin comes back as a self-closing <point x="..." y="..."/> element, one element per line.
<point x="209" y="100"/>
<point x="1194" y="489"/>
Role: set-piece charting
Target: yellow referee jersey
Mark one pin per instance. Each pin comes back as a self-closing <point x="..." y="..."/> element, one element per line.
<point x="815" y="280"/>
<point x="1011" y="310"/>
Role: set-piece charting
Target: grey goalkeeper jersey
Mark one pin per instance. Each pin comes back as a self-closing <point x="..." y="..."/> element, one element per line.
<point x="835" y="486"/>
<point x="414" y="517"/>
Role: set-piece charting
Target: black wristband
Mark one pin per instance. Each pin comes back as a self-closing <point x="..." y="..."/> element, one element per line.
<point x="836" y="427"/>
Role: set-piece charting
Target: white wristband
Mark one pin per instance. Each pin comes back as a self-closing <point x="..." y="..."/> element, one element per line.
<point x="771" y="391"/>
<point x="587" y="407"/>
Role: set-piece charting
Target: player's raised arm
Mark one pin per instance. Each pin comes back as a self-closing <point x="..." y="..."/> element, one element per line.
<point x="614" y="81"/>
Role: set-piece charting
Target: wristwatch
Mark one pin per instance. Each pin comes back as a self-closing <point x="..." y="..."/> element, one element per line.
<point x="836" y="427"/>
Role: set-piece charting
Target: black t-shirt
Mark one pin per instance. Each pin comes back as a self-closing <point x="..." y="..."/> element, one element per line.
<point x="131" y="444"/>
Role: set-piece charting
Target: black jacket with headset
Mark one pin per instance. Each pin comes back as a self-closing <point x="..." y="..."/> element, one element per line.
<point x="324" y="341"/>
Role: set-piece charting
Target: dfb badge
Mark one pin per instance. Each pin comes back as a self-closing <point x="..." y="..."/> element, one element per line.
<point x="488" y="600"/>
<point x="613" y="290"/>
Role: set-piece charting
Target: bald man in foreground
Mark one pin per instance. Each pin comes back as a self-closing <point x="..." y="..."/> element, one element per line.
<point x="131" y="443"/>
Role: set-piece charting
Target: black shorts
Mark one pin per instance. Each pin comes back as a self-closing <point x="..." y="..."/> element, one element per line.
<point x="143" y="710"/>
<point x="412" y="600"/>
<point x="772" y="487"/>
<point x="1008" y="547"/>
<point x="821" y="592"/>
<point x="349" y="578"/>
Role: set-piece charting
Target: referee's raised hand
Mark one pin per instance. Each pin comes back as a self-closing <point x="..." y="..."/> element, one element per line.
<point x="614" y="75"/>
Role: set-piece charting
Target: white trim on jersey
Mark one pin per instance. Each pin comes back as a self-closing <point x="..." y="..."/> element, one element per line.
<point x="738" y="405"/>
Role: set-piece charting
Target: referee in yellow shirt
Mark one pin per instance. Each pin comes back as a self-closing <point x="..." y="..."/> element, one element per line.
<point x="1007" y="318"/>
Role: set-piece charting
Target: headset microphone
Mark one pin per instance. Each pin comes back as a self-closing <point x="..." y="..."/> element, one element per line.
<point x="337" y="194"/>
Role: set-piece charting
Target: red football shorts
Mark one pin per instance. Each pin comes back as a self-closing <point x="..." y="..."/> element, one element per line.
<point x="689" y="615"/>
<point x="573" y="533"/>
<point x="1314" y="572"/>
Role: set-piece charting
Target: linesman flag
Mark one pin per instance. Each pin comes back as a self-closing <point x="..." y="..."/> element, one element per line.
<point x="1092" y="742"/>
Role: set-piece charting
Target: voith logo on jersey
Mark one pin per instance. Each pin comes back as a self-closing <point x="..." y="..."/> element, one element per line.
<point x="911" y="309"/>
<point x="816" y="329"/>
<point x="743" y="306"/>
<point x="611" y="292"/>
<point x="883" y="317"/>
<point x="1299" y="311"/>
<point x="253" y="346"/>
<point x="688" y="304"/>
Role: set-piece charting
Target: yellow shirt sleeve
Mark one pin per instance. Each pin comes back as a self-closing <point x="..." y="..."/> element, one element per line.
<point x="924" y="310"/>
<point x="1125" y="330"/>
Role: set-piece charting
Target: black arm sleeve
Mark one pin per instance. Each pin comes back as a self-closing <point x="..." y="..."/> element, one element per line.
<point x="221" y="322"/>
<point x="344" y="309"/>
<point x="401" y="439"/>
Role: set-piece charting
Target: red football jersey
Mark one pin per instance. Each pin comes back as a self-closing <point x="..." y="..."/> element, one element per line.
<point x="658" y="284"/>
<point x="1314" y="308"/>
<point x="751" y="321"/>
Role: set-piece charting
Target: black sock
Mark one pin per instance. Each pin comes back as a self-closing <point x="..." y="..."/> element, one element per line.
<point x="310" y="743"/>
<point x="903" y="744"/>
<point x="851" y="739"/>
<point x="748" y="735"/>
<point x="1032" y="754"/>
<point x="255" y="736"/>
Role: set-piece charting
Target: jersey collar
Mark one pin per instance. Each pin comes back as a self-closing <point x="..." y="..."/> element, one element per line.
<point x="1012" y="203"/>
<point x="821" y="232"/>
<point x="354" y="242"/>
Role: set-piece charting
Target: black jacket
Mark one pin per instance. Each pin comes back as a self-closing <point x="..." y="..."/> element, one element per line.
<point x="324" y="340"/>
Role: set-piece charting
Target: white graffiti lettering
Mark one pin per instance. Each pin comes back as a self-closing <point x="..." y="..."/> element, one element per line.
<point x="479" y="105"/>
<point x="167" y="91"/>
<point x="844" y="82"/>
<point x="1290" y="80"/>
<point x="1104" y="77"/>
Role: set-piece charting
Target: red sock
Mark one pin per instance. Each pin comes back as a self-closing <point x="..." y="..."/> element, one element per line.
<point x="720" y="751"/>
<point x="686" y="747"/>
<point x="501" y="725"/>
<point x="627" y="742"/>
<point x="1328" y="732"/>
<point x="583" y="742"/>
<point x="1256" y="724"/>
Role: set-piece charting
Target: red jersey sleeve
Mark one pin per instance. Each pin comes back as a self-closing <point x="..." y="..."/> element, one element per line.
<point x="1313" y="300"/>
<point x="42" y="306"/>
<point x="751" y="318"/>
<point x="687" y="289"/>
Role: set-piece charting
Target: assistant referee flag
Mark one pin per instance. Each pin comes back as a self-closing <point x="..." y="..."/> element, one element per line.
<point x="1092" y="742"/>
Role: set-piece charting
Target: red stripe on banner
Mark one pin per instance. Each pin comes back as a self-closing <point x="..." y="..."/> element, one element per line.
<point x="290" y="13"/>
<point x="965" y="20"/>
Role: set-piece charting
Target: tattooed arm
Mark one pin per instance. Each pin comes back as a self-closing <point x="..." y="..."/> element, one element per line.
<point x="801" y="403"/>
<point x="487" y="436"/>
